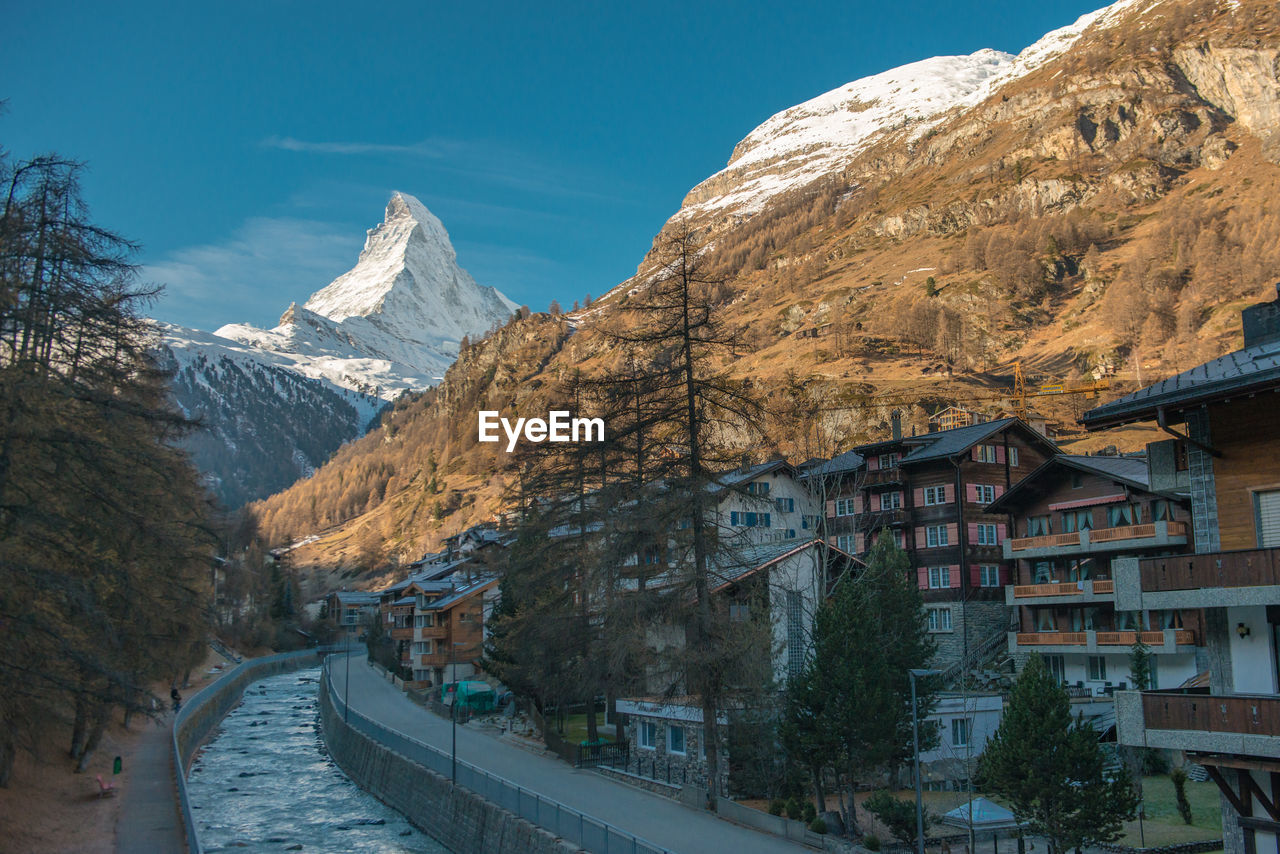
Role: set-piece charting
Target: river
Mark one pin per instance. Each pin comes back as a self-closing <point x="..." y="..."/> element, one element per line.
<point x="265" y="782"/>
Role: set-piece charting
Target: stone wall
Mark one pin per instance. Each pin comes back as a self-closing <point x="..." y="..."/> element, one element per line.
<point x="983" y="618"/>
<point x="456" y="817"/>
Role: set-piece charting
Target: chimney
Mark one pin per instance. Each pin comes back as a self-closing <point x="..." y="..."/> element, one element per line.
<point x="895" y="418"/>
<point x="1261" y="322"/>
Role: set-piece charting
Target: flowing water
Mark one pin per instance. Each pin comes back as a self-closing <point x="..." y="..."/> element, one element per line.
<point x="265" y="782"/>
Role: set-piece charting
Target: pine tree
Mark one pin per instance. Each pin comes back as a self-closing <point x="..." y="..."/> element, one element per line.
<point x="1050" y="768"/>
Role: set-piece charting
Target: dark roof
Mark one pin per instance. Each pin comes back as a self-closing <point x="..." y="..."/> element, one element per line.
<point x="1254" y="368"/>
<point x="451" y="599"/>
<point x="357" y="597"/>
<point x="948" y="443"/>
<point x="1131" y="471"/>
<point x="839" y="464"/>
<point x="741" y="562"/>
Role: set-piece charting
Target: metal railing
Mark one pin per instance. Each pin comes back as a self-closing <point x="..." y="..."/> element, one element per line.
<point x="590" y="834"/>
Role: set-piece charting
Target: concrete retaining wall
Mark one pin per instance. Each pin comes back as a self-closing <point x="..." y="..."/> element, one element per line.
<point x="456" y="817"/>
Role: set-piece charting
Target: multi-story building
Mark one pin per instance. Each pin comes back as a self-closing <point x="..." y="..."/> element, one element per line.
<point x="930" y="493"/>
<point x="1068" y="520"/>
<point x="353" y="610"/>
<point x="1223" y="417"/>
<point x="448" y="631"/>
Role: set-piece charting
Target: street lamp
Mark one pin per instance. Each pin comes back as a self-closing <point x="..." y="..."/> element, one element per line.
<point x="913" y="674"/>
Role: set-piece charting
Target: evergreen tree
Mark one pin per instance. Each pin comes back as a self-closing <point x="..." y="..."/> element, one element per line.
<point x="849" y="711"/>
<point x="1050" y="768"/>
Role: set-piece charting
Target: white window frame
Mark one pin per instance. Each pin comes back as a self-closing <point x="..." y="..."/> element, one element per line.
<point x="988" y="534"/>
<point x="888" y="461"/>
<point x="893" y="499"/>
<point x="647" y="735"/>
<point x="934" y="495"/>
<point x="935" y="536"/>
<point x="1013" y="456"/>
<point x="1097" y="668"/>
<point x="939" y="577"/>
<point x="939" y="619"/>
<point x="846" y="543"/>
<point x="985" y="493"/>
<point x="844" y="507"/>
<point x="988" y="575"/>
<point x="961" y="731"/>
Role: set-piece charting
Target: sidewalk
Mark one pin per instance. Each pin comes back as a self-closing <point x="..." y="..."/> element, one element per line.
<point x="660" y="820"/>
<point x="149" y="822"/>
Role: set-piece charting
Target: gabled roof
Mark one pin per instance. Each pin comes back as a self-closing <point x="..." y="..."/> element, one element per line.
<point x="743" y="475"/>
<point x="744" y="562"/>
<point x="839" y="464"/>
<point x="1130" y="471"/>
<point x="1252" y="369"/>
<point x="447" y="601"/>
<point x="357" y="597"/>
<point x="950" y="443"/>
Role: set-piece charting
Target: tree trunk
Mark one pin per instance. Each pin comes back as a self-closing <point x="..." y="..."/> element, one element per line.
<point x="8" y="753"/>
<point x="79" y="727"/>
<point x="818" y="790"/>
<point x="101" y="715"/>
<point x="593" y="732"/>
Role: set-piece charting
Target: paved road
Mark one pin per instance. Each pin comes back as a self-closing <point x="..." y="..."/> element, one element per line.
<point x="149" y="822"/>
<point x="658" y="819"/>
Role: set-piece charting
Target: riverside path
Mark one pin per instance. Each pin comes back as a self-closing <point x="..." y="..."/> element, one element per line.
<point x="658" y="819"/>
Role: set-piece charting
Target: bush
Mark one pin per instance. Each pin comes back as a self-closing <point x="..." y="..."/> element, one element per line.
<point x="809" y="812"/>
<point x="871" y="842"/>
<point x="776" y="806"/>
<point x="899" y="817"/>
<point x="818" y="826"/>
<point x="793" y="808"/>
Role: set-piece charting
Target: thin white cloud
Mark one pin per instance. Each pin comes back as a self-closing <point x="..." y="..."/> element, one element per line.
<point x="262" y="267"/>
<point x="425" y="148"/>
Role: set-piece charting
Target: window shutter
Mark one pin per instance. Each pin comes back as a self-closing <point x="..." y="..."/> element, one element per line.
<point x="971" y="492"/>
<point x="975" y="575"/>
<point x="953" y="534"/>
<point x="1002" y="533"/>
<point x="873" y="463"/>
<point x="857" y="503"/>
<point x="1004" y="575"/>
<point x="859" y="543"/>
<point x="922" y="576"/>
<point x="876" y="501"/>
<point x="973" y="452"/>
<point x="922" y="538"/>
<point x="948" y="493"/>
<point x="999" y="490"/>
<point x="831" y="541"/>
<point x="918" y="496"/>
<point x="831" y="509"/>
<point x="954" y="573"/>
<point x="973" y="533"/>
<point x="1000" y="453"/>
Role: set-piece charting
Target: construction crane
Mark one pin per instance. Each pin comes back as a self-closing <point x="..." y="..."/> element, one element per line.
<point x="1020" y="393"/>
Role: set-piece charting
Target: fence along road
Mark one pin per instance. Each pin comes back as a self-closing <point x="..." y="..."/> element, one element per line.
<point x="579" y="805"/>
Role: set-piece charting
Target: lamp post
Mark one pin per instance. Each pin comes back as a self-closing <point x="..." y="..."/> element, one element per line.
<point x="915" y="756"/>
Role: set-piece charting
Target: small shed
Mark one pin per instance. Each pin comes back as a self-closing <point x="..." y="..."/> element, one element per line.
<point x="473" y="696"/>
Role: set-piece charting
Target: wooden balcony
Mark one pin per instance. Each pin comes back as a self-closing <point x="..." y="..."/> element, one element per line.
<point x="1089" y="590"/>
<point x="431" y="632"/>
<point x="1153" y="534"/>
<point x="1104" y="585"/>
<point x="1249" y="568"/>
<point x="1091" y="640"/>
<point x="400" y="633"/>
<point x="879" y="477"/>
<point x="1247" y="714"/>
<point x="1030" y="591"/>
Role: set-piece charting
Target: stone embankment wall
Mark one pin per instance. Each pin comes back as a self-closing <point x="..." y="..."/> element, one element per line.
<point x="456" y="817"/>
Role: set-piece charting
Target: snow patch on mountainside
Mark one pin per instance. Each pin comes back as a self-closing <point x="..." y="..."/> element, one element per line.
<point x="806" y="142"/>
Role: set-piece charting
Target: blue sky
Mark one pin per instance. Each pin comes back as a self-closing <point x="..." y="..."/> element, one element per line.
<point x="247" y="146"/>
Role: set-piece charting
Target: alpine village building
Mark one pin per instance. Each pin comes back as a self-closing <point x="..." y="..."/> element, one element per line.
<point x="1222" y="417"/>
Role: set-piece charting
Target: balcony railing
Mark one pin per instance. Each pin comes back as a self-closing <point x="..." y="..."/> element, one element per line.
<point x="1249" y="568"/>
<point x="1104" y="585"/>
<point x="883" y="476"/>
<point x="402" y="633"/>
<point x="1243" y="714"/>
<point x="1066" y="588"/>
<point x="875" y="519"/>
<point x="1092" y="536"/>
<point x="432" y="632"/>
<point x="1181" y="637"/>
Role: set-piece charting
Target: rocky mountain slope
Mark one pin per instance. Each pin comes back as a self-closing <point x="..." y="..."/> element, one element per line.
<point x="1099" y="206"/>
<point x="277" y="403"/>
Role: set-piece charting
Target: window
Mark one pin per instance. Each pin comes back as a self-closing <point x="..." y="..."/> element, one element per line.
<point x="888" y="461"/>
<point x="785" y="505"/>
<point x="1057" y="667"/>
<point x="1124" y="514"/>
<point x="1097" y="668"/>
<point x="1038" y="526"/>
<point x="1266" y="517"/>
<point x="985" y="494"/>
<point x="1160" y="510"/>
<point x="939" y="577"/>
<point x="986" y="453"/>
<point x="961" y="728"/>
<point x="748" y="519"/>
<point x="1043" y="572"/>
<point x="989" y="575"/>
<point x="739" y="613"/>
<point x="939" y="619"/>
<point x="1045" y="620"/>
<point x="791" y="533"/>
<point x="424" y="621"/>
<point x="809" y="523"/>
<point x="466" y="617"/>
<point x="844" y="506"/>
<point x="647" y="735"/>
<point x="847" y="543"/>
<point x="890" y="500"/>
<point x="675" y="739"/>
<point x="1077" y="520"/>
<point x="987" y="535"/>
<point x="758" y="487"/>
<point x="422" y="648"/>
<point x="795" y="632"/>
<point x="899" y="539"/>
<point x="1013" y="457"/>
<point x="935" y="535"/>
<point x="935" y="495"/>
